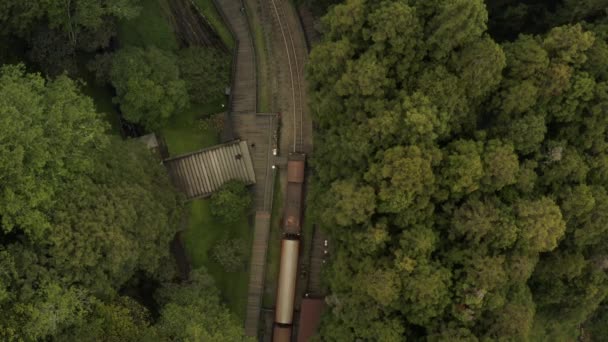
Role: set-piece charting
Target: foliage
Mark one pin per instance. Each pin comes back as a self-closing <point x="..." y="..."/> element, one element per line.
<point x="52" y="52"/>
<point x="206" y="72"/>
<point x="148" y="85"/>
<point x="192" y="312"/>
<point x="204" y="231"/>
<point x="231" y="202"/>
<point x="464" y="178"/>
<point x="49" y="133"/>
<point x="230" y="253"/>
<point x="82" y="212"/>
<point x="74" y="18"/>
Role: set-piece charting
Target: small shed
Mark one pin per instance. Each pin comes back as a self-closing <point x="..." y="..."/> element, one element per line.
<point x="310" y="317"/>
<point x="203" y="172"/>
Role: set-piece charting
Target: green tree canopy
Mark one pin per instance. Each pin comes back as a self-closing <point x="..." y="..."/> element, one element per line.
<point x="74" y="18"/>
<point x="148" y="85"/>
<point x="49" y="133"/>
<point x="82" y="213"/>
<point x="206" y="72"/>
<point x="193" y="312"/>
<point x="231" y="202"/>
<point x="462" y="180"/>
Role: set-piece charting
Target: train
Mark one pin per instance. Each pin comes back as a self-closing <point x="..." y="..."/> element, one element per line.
<point x="290" y="248"/>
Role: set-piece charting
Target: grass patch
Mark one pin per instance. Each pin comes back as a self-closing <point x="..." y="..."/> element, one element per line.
<point x="209" y="11"/>
<point x="183" y="133"/>
<point x="274" y="247"/>
<point x="200" y="237"/>
<point x="151" y="28"/>
<point x="261" y="55"/>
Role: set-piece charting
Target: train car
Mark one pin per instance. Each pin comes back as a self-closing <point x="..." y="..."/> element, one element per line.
<point x="281" y="333"/>
<point x="292" y="215"/>
<point x="286" y="289"/>
<point x="296" y="164"/>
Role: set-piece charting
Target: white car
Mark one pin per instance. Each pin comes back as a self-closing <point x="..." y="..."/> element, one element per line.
<point x="274" y="151"/>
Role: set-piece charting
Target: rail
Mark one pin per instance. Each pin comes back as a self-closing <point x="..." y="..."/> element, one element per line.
<point x="297" y="145"/>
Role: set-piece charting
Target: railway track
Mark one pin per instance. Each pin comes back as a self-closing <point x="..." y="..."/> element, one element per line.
<point x="294" y="75"/>
<point x="192" y="28"/>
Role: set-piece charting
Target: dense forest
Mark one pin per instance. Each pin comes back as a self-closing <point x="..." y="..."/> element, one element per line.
<point x="87" y="217"/>
<point x="461" y="169"/>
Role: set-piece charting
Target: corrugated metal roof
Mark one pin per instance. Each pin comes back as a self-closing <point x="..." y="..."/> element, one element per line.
<point x="200" y="173"/>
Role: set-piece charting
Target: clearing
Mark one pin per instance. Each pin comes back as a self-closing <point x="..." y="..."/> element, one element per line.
<point x="203" y="232"/>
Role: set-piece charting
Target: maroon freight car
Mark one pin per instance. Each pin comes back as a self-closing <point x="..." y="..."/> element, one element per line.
<point x="293" y="199"/>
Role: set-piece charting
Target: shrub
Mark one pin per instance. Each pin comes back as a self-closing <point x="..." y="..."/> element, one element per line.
<point x="230" y="253"/>
<point x="231" y="202"/>
<point x="206" y="72"/>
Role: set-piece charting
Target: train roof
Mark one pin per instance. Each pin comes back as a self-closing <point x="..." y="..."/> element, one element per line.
<point x="292" y="214"/>
<point x="310" y="317"/>
<point x="295" y="171"/>
<point x="288" y="272"/>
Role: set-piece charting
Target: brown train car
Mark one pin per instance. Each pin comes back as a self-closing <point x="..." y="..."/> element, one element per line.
<point x="296" y="167"/>
<point x="292" y="214"/>
<point x="281" y="333"/>
<point x="286" y="289"/>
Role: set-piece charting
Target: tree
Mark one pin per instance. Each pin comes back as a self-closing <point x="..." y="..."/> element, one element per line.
<point x="230" y="254"/>
<point x="461" y="179"/>
<point x="132" y="214"/>
<point x="82" y="213"/>
<point x="484" y="222"/>
<point x="567" y="44"/>
<point x="462" y="170"/>
<point x="120" y="320"/>
<point x="193" y="312"/>
<point x="206" y="72"/>
<point x="456" y="24"/>
<point x="232" y="202"/>
<point x="541" y="224"/>
<point x="500" y="164"/>
<point x="426" y="293"/>
<point x="404" y="179"/>
<point x="480" y="65"/>
<point x="71" y="17"/>
<point x="50" y="132"/>
<point x="526" y="58"/>
<point x="148" y="85"/>
<point x="352" y="204"/>
<point x="52" y="52"/>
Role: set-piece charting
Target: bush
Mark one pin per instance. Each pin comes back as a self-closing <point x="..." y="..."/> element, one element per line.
<point x="230" y="253"/>
<point x="206" y="72"/>
<point x="231" y="202"/>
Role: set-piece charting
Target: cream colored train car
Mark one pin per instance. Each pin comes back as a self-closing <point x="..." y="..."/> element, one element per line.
<point x="286" y="289"/>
